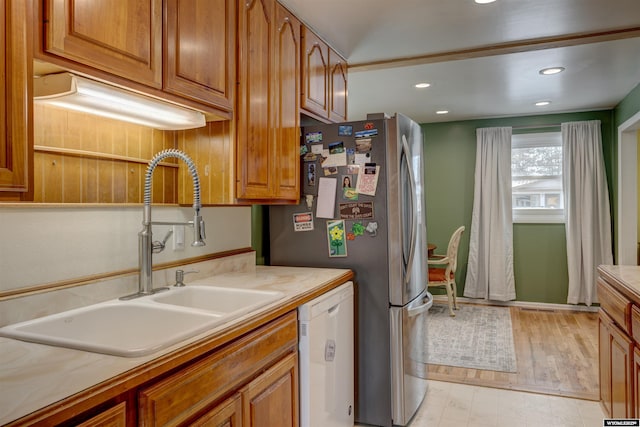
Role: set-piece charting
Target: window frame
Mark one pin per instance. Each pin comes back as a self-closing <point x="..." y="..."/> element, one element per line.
<point x="537" y="216"/>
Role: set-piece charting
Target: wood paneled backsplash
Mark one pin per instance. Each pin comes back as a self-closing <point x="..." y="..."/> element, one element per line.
<point x="212" y="150"/>
<point x="81" y="158"/>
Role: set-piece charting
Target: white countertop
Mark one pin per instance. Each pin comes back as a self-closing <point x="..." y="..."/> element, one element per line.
<point x="33" y="376"/>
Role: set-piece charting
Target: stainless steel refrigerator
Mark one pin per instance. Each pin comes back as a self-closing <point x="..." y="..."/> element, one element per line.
<point x="378" y="230"/>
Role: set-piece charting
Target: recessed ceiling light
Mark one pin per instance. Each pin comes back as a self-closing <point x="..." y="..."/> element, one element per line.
<point x="484" y="1"/>
<point x="550" y="71"/>
<point x="423" y="85"/>
<point x="442" y="112"/>
<point x="542" y="103"/>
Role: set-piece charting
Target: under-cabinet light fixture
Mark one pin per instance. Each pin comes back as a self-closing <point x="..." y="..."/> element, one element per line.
<point x="73" y="92"/>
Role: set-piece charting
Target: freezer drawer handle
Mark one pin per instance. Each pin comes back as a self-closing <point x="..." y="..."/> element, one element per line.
<point x="428" y="302"/>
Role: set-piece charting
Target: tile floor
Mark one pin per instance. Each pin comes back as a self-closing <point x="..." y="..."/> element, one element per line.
<point x="449" y="404"/>
<point x="459" y="405"/>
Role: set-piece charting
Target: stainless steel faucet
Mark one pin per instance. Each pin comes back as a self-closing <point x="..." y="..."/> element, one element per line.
<point x="146" y="246"/>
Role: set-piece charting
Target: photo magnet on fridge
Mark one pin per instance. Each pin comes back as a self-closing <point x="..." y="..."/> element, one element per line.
<point x="313" y="137"/>
<point x="345" y="130"/>
<point x="349" y="188"/>
<point x="363" y="145"/>
<point x="367" y="133"/>
<point x="336" y="147"/>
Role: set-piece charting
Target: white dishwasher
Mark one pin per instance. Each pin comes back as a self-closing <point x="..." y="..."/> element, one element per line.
<point x="327" y="359"/>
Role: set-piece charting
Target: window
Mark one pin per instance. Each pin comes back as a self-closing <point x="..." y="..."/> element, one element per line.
<point x="536" y="177"/>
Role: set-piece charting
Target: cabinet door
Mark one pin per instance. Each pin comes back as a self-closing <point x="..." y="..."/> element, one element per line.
<point x="338" y="92"/>
<point x="16" y="106"/>
<point x="271" y="400"/>
<point x="254" y="120"/>
<point x="123" y="37"/>
<point x="199" y="60"/>
<point x="604" y="348"/>
<point x="315" y="75"/>
<point x="621" y="373"/>
<point x="286" y="166"/>
<point x="227" y="414"/>
<point x="636" y="381"/>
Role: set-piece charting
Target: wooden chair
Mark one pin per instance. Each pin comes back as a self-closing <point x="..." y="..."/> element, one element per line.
<point x="443" y="274"/>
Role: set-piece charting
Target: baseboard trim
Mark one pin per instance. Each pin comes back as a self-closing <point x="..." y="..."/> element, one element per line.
<point x="522" y="304"/>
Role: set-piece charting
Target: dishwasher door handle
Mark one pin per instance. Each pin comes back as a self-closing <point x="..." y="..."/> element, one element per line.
<point x="334" y="310"/>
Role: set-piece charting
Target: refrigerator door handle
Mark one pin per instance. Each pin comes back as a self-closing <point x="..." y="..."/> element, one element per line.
<point x="405" y="156"/>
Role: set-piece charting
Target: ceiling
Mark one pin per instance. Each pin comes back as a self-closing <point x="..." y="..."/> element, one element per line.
<point x="482" y="60"/>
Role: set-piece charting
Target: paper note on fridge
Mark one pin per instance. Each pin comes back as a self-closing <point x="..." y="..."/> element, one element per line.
<point x="326" y="197"/>
<point x="334" y="160"/>
<point x="368" y="179"/>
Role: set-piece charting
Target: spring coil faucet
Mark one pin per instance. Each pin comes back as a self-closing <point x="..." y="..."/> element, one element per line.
<point x="146" y="246"/>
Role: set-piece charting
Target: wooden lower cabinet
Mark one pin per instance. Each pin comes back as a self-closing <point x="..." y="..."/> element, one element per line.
<point x="226" y="414"/>
<point x="113" y="417"/>
<point x="261" y="367"/>
<point x="636" y="381"/>
<point x="619" y="362"/>
<point x="271" y="400"/>
<point x="616" y="367"/>
<point x="604" y="350"/>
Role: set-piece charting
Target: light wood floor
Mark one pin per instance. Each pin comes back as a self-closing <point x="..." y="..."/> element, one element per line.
<point x="556" y="353"/>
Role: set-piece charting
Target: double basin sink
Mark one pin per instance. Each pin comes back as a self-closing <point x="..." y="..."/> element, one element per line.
<point x="144" y="325"/>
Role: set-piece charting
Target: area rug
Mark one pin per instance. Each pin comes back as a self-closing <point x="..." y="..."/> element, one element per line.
<point x="477" y="337"/>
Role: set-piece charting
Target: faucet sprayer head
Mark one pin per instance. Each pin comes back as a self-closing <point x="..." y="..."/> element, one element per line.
<point x="198" y="231"/>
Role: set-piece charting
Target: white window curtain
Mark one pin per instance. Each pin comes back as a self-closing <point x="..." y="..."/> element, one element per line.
<point x="490" y="268"/>
<point x="586" y="207"/>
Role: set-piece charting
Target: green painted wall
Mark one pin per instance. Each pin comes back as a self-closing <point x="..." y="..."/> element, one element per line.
<point x="540" y="265"/>
<point x="628" y="107"/>
<point x="260" y="233"/>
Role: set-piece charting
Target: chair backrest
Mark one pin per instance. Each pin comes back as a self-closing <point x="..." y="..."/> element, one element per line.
<point x="452" y="249"/>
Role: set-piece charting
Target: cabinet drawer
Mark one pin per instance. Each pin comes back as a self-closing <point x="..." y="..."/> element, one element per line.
<point x="616" y="305"/>
<point x="114" y="417"/>
<point x="178" y="398"/>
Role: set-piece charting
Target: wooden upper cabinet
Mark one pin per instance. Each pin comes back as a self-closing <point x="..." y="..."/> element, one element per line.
<point x="16" y="106"/>
<point x="338" y="91"/>
<point x="254" y="111"/>
<point x="267" y="103"/>
<point x="199" y="59"/>
<point x="324" y="80"/>
<point x="123" y="38"/>
<point x="315" y="74"/>
<point x="287" y="97"/>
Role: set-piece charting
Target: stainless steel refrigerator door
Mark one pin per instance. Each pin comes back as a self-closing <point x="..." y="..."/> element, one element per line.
<point x="408" y="357"/>
<point x="406" y="210"/>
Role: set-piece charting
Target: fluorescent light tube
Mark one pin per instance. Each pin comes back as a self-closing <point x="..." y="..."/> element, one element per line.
<point x="78" y="93"/>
